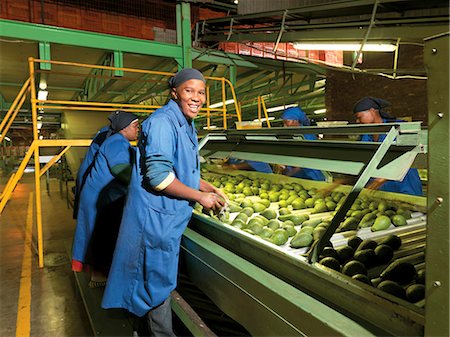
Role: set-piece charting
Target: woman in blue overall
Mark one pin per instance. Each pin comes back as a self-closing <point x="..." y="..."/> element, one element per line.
<point x="102" y="199"/>
<point x="87" y="163"/>
<point x="295" y="117"/>
<point x="164" y="187"/>
<point x="369" y="110"/>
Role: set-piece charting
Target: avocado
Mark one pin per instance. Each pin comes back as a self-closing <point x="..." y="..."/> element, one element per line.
<point x="367" y="217"/>
<point x="234" y="208"/>
<point x="382" y="206"/>
<point x="246" y="203"/>
<point x="312" y="222"/>
<point x="318" y="232"/>
<point x="384" y="253"/>
<point x="257" y="207"/>
<point x="344" y="253"/>
<point x="329" y="251"/>
<point x="354" y="267"/>
<point x="331" y="263"/>
<point x="248" y="210"/>
<point x="420" y="278"/>
<point x="393" y="241"/>
<point x="255" y="227"/>
<point x="296" y="219"/>
<point x="307" y="230"/>
<point x="362" y="278"/>
<point x="354" y="242"/>
<point x="289" y="229"/>
<point x="284" y="211"/>
<point x="266" y="232"/>
<point x="415" y="293"/>
<point x="238" y="223"/>
<point x="242" y="216"/>
<point x="365" y="224"/>
<point x="309" y="203"/>
<point x="265" y="202"/>
<point x="392" y="288"/>
<point x="301" y="240"/>
<point x="279" y="237"/>
<point x="401" y="272"/>
<point x="366" y="244"/>
<point x="349" y="224"/>
<point x="288" y="222"/>
<point x="319" y="208"/>
<point x="331" y="205"/>
<point x="273" y="224"/>
<point x="399" y="220"/>
<point x="298" y="203"/>
<point x="381" y="223"/>
<point x="367" y="257"/>
<point x="269" y="214"/>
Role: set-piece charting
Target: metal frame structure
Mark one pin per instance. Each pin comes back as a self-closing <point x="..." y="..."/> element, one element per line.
<point x="36" y="104"/>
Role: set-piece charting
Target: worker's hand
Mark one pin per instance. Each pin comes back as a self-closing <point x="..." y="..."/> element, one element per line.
<point x="331" y="187"/>
<point x="278" y="169"/>
<point x="211" y="201"/>
<point x="221" y="194"/>
<point x="376" y="184"/>
<point x="207" y="187"/>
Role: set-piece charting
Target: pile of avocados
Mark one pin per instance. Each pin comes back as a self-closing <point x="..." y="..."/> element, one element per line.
<point x="361" y="260"/>
<point x="271" y="211"/>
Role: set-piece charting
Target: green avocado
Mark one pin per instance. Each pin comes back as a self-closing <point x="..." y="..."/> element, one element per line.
<point x="349" y="224"/>
<point x="381" y="223"/>
<point x="399" y="220"/>
<point x="269" y="214"/>
<point x="415" y="293"/>
<point x="301" y="240"/>
<point x="279" y="237"/>
<point x="331" y="263"/>
<point x="401" y="272"/>
<point x="289" y="229"/>
<point x="258" y="207"/>
<point x="354" y="267"/>
<point x="273" y="224"/>
<point x="266" y="232"/>
<point x="392" y="288"/>
<point x="284" y="211"/>
<point x="393" y="241"/>
<point x="312" y="222"/>
<point x="367" y="257"/>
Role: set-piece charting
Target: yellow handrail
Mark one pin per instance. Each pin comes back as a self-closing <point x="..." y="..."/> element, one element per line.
<point x="13" y="105"/>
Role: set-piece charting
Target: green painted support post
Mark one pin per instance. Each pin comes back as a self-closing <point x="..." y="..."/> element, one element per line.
<point x="118" y="62"/>
<point x="233" y="75"/>
<point x="437" y="260"/>
<point x="44" y="54"/>
<point x="183" y="17"/>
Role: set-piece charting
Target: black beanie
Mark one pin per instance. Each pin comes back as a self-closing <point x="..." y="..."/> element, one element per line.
<point x="367" y="103"/>
<point x="121" y="119"/>
<point x="185" y="75"/>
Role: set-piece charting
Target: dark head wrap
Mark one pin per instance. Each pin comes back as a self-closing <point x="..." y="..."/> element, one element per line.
<point x="296" y="114"/>
<point x="185" y="75"/>
<point x="121" y="119"/>
<point x="367" y="103"/>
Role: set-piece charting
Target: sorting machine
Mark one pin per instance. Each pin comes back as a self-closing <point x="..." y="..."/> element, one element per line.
<point x="278" y="290"/>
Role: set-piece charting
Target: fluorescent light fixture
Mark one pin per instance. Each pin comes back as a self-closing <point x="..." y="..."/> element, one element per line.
<point x="39" y="125"/>
<point x="281" y="107"/>
<point x="264" y="119"/>
<point x="43" y="84"/>
<point x="218" y="105"/>
<point x="354" y="46"/>
<point x="210" y="127"/>
<point x="320" y="111"/>
<point x="7" y="138"/>
<point x="42" y="95"/>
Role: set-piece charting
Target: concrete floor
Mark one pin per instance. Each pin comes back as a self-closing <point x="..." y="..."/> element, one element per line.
<point x="56" y="308"/>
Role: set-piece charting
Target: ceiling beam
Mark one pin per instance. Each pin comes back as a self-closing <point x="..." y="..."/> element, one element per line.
<point x="37" y="32"/>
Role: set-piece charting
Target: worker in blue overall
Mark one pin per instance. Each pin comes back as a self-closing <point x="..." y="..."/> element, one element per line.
<point x="296" y="117"/>
<point x="247" y="165"/>
<point x="369" y="110"/>
<point x="164" y="187"/>
<point x="87" y="163"/>
<point x="102" y="199"/>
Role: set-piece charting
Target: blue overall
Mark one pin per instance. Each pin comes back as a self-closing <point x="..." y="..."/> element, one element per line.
<point x="307" y="173"/>
<point x="411" y="184"/>
<point x="100" y="189"/>
<point x="145" y="264"/>
<point x="255" y="165"/>
<point x="86" y="165"/>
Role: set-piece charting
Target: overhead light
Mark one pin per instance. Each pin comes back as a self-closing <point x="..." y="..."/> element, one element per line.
<point x="218" y="105"/>
<point x="264" y="119"/>
<point x="320" y="111"/>
<point x="354" y="46"/>
<point x="42" y="95"/>
<point x="210" y="127"/>
<point x="281" y="107"/>
<point x="39" y="125"/>
<point x="6" y="138"/>
<point x="236" y="2"/>
<point x="42" y="84"/>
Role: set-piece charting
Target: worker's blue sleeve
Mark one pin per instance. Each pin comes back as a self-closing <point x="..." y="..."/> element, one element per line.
<point x="159" y="152"/>
<point x="117" y="152"/>
<point x="260" y="166"/>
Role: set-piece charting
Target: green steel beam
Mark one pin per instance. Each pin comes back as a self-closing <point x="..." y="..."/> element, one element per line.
<point x="233" y="74"/>
<point x="37" y="32"/>
<point x="219" y="57"/>
<point x="44" y="54"/>
<point x="436" y="57"/>
<point x="184" y="26"/>
<point x="118" y="62"/>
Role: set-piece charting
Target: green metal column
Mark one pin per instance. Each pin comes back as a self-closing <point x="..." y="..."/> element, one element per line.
<point x="183" y="17"/>
<point x="44" y="54"/>
<point x="118" y="62"/>
<point x="233" y="74"/>
<point x="436" y="57"/>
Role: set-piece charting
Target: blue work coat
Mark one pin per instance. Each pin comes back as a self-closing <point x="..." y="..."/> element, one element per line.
<point x="411" y="184"/>
<point x="100" y="188"/>
<point x="255" y="165"/>
<point x="145" y="264"/>
<point x="86" y="165"/>
<point x="307" y="173"/>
